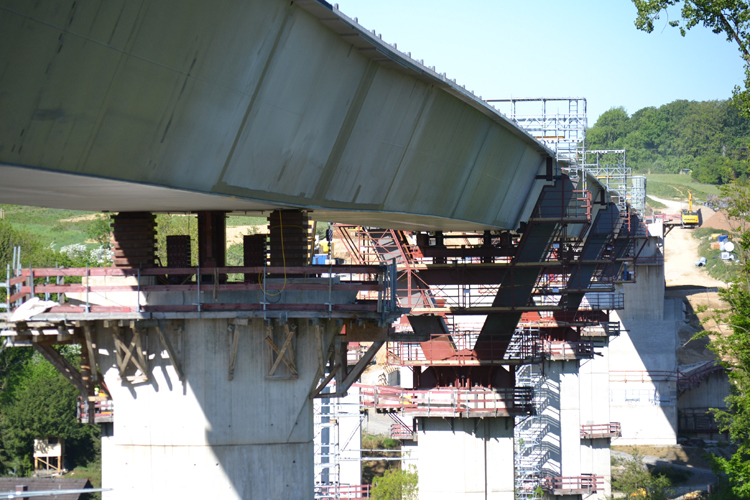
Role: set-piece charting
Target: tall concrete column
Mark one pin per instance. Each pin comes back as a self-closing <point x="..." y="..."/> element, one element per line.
<point x="469" y="458"/>
<point x="560" y="394"/>
<point x="594" y="394"/>
<point x="212" y="435"/>
<point x="570" y="418"/>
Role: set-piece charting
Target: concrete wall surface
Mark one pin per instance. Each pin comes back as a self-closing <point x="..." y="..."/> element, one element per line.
<point x="209" y="437"/>
<point x="643" y="364"/>
<point x="469" y="459"/>
<point x="711" y="393"/>
<point x="570" y="417"/>
<point x="595" y="453"/>
<point x="644" y="298"/>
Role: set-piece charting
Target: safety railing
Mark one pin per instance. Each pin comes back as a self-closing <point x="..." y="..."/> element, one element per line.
<point x="601" y="431"/>
<point x="449" y="402"/>
<point x="643" y="376"/>
<point x="459" y="348"/>
<point x="603" y="329"/>
<point x="602" y="301"/>
<point x="556" y="204"/>
<point x="399" y="431"/>
<point x="563" y="350"/>
<point x="692" y="379"/>
<point x="105" y="411"/>
<point x="574" y="485"/>
<point x="91" y="297"/>
<point x="685" y="379"/>
<point x="342" y="492"/>
<point x="697" y="420"/>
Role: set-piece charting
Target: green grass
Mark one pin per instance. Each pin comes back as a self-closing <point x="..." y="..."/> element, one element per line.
<point x="48" y="225"/>
<point x="655" y="204"/>
<point x="92" y="472"/>
<point x="676" y="187"/>
<point x="717" y="268"/>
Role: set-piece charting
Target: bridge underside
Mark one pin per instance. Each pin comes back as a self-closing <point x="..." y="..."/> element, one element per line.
<point x="37" y="187"/>
<point x="247" y="106"/>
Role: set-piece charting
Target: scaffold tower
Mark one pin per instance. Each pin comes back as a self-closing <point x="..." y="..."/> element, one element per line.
<point x="528" y="435"/>
<point x="638" y="194"/>
<point x="558" y="122"/>
<point x="610" y="169"/>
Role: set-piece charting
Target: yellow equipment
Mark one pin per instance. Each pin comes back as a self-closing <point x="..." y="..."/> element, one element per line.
<point x="689" y="218"/>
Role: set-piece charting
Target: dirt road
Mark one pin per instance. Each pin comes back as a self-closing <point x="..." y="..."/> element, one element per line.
<point x="681" y="253"/>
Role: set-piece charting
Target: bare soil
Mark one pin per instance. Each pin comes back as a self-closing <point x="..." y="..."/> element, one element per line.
<point x="235" y="233"/>
<point x="80" y="218"/>
<point x="681" y="253"/>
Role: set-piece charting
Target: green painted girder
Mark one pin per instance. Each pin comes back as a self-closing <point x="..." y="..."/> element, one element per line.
<point x="183" y="105"/>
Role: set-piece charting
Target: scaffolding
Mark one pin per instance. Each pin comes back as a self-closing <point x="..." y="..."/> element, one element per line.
<point x="558" y="122"/>
<point x="327" y="464"/>
<point x="609" y="167"/>
<point x="638" y="195"/>
<point x="337" y="423"/>
<point x="528" y="435"/>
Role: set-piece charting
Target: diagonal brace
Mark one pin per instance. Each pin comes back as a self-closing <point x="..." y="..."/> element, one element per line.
<point x="280" y="353"/>
<point x="170" y="352"/>
<point x="63" y="366"/>
<point x="357" y="370"/>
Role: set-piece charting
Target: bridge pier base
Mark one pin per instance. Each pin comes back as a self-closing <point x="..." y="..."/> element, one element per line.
<point x="214" y="415"/>
<point x="465" y="458"/>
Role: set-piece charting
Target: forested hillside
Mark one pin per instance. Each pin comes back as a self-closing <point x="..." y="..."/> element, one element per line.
<point x="710" y="138"/>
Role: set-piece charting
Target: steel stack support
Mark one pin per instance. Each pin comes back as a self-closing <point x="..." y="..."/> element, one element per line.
<point x="212" y="242"/>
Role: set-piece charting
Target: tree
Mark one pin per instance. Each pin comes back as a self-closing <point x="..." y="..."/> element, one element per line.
<point x="99" y="229"/>
<point x="635" y="480"/>
<point x="710" y="138"/>
<point x="728" y="17"/>
<point x="43" y="404"/>
<point x="733" y="349"/>
<point x="396" y="484"/>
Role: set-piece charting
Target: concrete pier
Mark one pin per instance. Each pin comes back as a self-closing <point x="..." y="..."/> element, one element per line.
<point x="594" y="411"/>
<point x="211" y="436"/>
<point x="643" y="362"/>
<point x="481" y="447"/>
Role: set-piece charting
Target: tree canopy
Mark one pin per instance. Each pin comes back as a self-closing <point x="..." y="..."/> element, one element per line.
<point x="710" y="138"/>
<point x="733" y="347"/>
<point x="730" y="18"/>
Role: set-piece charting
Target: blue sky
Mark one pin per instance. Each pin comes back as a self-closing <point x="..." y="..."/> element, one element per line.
<point x="562" y="48"/>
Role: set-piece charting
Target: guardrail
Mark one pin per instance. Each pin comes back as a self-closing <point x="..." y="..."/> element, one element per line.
<point x="105" y="411"/>
<point x="379" y="280"/>
<point x="558" y="204"/>
<point x="697" y="420"/>
<point x="685" y="380"/>
<point x="449" y="402"/>
<point x="574" y="485"/>
<point x="399" y="431"/>
<point x="600" y="431"/>
<point x="342" y="492"/>
<point x="459" y="349"/>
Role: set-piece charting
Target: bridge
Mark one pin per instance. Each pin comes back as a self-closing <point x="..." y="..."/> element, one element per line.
<point x="251" y="106"/>
<point x="295" y="111"/>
